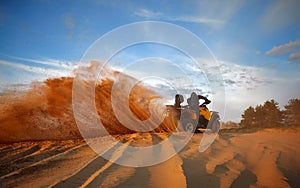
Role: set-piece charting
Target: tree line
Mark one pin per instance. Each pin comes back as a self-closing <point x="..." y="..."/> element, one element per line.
<point x="270" y="115"/>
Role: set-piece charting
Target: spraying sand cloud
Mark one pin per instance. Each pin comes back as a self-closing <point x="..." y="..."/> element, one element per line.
<point x="45" y="111"/>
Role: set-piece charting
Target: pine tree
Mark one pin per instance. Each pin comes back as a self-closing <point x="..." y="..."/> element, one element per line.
<point x="272" y="114"/>
<point x="260" y="116"/>
<point x="248" y="118"/>
<point x="292" y="112"/>
<point x="266" y="115"/>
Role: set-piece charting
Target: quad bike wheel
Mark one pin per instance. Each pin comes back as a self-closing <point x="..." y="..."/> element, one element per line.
<point x="189" y="126"/>
<point x="214" y="123"/>
<point x="215" y="126"/>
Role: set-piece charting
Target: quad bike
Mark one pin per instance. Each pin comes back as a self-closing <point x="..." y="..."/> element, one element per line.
<point x="191" y="120"/>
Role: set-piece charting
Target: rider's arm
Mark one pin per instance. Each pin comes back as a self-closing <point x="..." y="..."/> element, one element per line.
<point x="204" y="98"/>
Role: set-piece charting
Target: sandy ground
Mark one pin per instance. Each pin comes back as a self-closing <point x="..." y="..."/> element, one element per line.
<point x="266" y="158"/>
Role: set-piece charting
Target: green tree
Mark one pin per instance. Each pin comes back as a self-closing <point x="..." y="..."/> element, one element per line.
<point x="272" y="114"/>
<point x="248" y="118"/>
<point x="260" y="115"/>
<point x="292" y="112"/>
<point x="266" y="115"/>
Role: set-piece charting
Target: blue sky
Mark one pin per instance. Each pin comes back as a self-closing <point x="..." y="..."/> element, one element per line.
<point x="257" y="43"/>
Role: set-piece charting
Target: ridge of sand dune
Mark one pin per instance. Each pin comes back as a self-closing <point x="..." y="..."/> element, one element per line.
<point x="118" y="176"/>
<point x="225" y="153"/>
<point x="261" y="152"/>
<point x="169" y="173"/>
<point x="235" y="167"/>
<point x="114" y="156"/>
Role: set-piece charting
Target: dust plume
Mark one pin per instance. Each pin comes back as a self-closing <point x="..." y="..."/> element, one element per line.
<point x="44" y="112"/>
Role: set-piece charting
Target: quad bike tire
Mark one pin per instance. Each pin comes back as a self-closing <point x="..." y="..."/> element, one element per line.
<point x="215" y="126"/>
<point x="214" y="123"/>
<point x="189" y="126"/>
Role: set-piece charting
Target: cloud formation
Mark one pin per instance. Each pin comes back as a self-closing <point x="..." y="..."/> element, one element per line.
<point x="215" y="13"/>
<point x="149" y="14"/>
<point x="145" y="13"/>
<point x="284" y="48"/>
<point x="235" y="76"/>
<point x="18" y="70"/>
<point x="38" y="70"/>
<point x="241" y="76"/>
<point x="195" y="19"/>
<point x="54" y="63"/>
<point x="291" y="48"/>
<point x="295" y="57"/>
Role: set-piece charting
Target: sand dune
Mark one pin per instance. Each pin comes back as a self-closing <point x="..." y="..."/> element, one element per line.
<point x="267" y="158"/>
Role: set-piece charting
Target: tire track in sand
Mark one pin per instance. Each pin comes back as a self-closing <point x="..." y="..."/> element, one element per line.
<point x="20" y="155"/>
<point x="122" y="176"/>
<point x="93" y="169"/>
<point x="169" y="173"/>
<point x="29" y="168"/>
<point x="46" y="150"/>
<point x="166" y="174"/>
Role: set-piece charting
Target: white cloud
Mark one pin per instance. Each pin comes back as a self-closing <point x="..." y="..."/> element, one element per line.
<point x="238" y="77"/>
<point x="196" y="19"/>
<point x="205" y="11"/>
<point x="19" y="72"/>
<point x="284" y="48"/>
<point x="61" y="64"/>
<point x="145" y="13"/>
<point x="235" y="76"/>
<point x="69" y="65"/>
<point x="295" y="57"/>
<point x="149" y="14"/>
<point x="292" y="49"/>
<point x="39" y="70"/>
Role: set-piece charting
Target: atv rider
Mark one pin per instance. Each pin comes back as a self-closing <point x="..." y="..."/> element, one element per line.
<point x="193" y="102"/>
<point x="205" y="114"/>
<point x="178" y="100"/>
